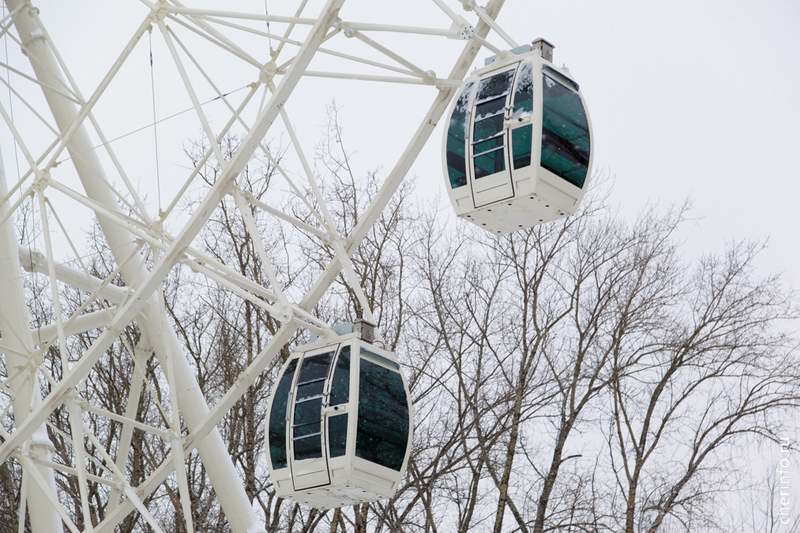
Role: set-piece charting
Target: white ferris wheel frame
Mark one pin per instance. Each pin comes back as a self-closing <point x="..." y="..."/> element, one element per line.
<point x="133" y="233"/>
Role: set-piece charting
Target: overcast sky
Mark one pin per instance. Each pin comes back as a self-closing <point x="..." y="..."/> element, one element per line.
<point x="688" y="100"/>
<point x="691" y="100"/>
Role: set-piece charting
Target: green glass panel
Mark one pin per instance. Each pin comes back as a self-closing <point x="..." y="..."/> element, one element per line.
<point x="490" y="109"/>
<point x="457" y="138"/>
<point x="565" y="133"/>
<point x="523" y="94"/>
<point x="337" y="435"/>
<point x="310" y="390"/>
<point x="383" y="416"/>
<point x="495" y="86"/>
<point x="484" y="129"/>
<point x="340" y="386"/>
<point x="521" y="140"/>
<point x="456" y="165"/>
<point x="486" y="146"/>
<point x="488" y="135"/>
<point x="277" y="418"/>
<point x="308" y="447"/>
<point x="315" y="367"/>
<point x="307" y="411"/>
<point x="490" y="163"/>
<point x="308" y="429"/>
<point x="376" y="357"/>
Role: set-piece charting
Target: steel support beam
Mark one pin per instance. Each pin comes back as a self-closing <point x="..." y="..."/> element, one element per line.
<point x="140" y="301"/>
<point x="222" y="473"/>
<point x="373" y="212"/>
<point x="15" y="329"/>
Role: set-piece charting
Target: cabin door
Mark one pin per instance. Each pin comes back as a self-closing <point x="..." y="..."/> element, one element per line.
<point x="490" y="172"/>
<point x="309" y="458"/>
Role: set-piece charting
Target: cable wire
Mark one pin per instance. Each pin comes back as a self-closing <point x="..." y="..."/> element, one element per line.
<point x="155" y="122"/>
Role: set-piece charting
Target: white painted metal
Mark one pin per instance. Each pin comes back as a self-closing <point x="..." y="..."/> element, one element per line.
<point x="221" y="469"/>
<point x="17" y="340"/>
<point x="137" y="236"/>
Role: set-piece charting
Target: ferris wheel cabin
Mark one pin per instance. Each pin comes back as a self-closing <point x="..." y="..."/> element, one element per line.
<point x="518" y="142"/>
<point x="339" y="425"/>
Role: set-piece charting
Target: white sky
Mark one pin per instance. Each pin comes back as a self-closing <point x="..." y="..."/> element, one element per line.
<point x="687" y="99"/>
<point x="692" y="100"/>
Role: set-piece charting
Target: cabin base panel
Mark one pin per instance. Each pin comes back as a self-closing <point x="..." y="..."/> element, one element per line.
<point x="343" y="492"/>
<point x="348" y="486"/>
<point x="518" y="213"/>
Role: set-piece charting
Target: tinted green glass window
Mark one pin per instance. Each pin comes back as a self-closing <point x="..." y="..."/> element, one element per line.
<point x="383" y="421"/>
<point x="308" y="412"/>
<point x="490" y="109"/>
<point x="337" y="435"/>
<point x="374" y="357"/>
<point x="307" y="417"/>
<point x="488" y="145"/>
<point x="314" y="428"/>
<point x="521" y="146"/>
<point x="308" y="447"/>
<point x="315" y="367"/>
<point x="490" y="163"/>
<point x="495" y="86"/>
<point x="523" y="94"/>
<point x="488" y="133"/>
<point x="521" y="138"/>
<point x="340" y="386"/>
<point x="278" y="416"/>
<point x="457" y="139"/>
<point x="310" y="390"/>
<point x="565" y="133"/>
<point x="488" y="128"/>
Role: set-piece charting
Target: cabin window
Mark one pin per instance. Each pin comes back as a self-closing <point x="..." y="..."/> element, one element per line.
<point x="383" y="417"/>
<point x="523" y="94"/>
<point x="565" y="133"/>
<point x="277" y="418"/>
<point x="521" y="138"/>
<point x="340" y="385"/>
<point x="337" y="435"/>
<point x="457" y="140"/>
<point x="490" y="163"/>
<point x="339" y="394"/>
<point x="495" y="86"/>
<point x="488" y="133"/>
<point x="307" y="420"/>
<point x="521" y="146"/>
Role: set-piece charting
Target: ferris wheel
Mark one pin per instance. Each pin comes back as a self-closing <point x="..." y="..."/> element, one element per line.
<point x="89" y="143"/>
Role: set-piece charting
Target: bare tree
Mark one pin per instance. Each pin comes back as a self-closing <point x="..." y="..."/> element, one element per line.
<point x="720" y="372"/>
<point x="548" y="332"/>
<point x="768" y="505"/>
<point x="576" y="376"/>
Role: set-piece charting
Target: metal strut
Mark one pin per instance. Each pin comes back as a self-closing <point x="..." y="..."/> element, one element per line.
<point x="140" y="300"/>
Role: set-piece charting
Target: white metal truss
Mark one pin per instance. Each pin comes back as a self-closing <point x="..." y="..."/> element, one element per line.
<point x="237" y="73"/>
